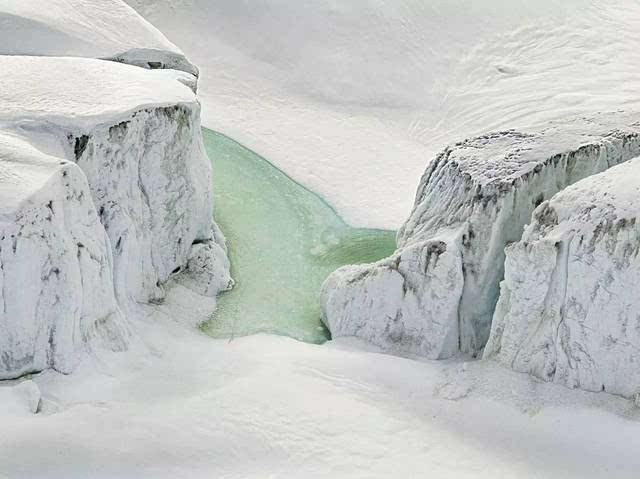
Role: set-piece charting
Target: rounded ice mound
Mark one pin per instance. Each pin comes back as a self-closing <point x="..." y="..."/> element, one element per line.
<point x="568" y="309"/>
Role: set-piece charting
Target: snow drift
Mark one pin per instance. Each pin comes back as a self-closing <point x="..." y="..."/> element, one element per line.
<point x="108" y="29"/>
<point x="436" y="295"/>
<point x="106" y="196"/>
<point x="56" y="284"/>
<point x="568" y="309"/>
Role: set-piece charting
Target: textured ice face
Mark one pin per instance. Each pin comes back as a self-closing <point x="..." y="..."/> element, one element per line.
<point x="474" y="198"/>
<point x="105" y="190"/>
<point x="56" y="276"/>
<point x="568" y="309"/>
<point x="151" y="183"/>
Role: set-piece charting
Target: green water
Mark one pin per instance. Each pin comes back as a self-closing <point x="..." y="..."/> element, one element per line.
<point x="283" y="242"/>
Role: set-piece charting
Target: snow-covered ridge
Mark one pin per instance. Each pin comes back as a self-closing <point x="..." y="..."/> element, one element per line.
<point x="106" y="196"/>
<point x="107" y="29"/>
<point x="436" y="295"/>
<point x="568" y="309"/>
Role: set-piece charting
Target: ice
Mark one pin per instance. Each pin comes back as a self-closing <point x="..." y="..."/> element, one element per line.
<point x="435" y="296"/>
<point x="106" y="186"/>
<point x="56" y="285"/>
<point x="283" y="242"/>
<point x="352" y="99"/>
<point x="568" y="311"/>
<point x="19" y="399"/>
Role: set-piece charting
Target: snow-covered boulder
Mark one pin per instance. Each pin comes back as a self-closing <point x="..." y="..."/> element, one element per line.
<point x="107" y="29"/>
<point x="568" y="309"/>
<point x="122" y="200"/>
<point x="56" y="278"/>
<point x="436" y="295"/>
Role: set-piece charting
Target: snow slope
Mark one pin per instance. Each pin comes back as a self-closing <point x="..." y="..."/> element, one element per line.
<point x="354" y="98"/>
<point x="268" y="406"/>
<point x="568" y="309"/>
<point x="86" y="28"/>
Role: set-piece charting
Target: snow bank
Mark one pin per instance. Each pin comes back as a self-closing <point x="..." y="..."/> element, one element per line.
<point x="436" y="295"/>
<point x="107" y="29"/>
<point x="106" y="190"/>
<point x="568" y="309"/>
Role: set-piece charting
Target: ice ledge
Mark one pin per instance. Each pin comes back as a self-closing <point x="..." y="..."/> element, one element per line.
<point x="436" y="296"/>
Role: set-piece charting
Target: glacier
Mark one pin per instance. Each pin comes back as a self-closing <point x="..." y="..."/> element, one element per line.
<point x="435" y="296"/>
<point x="107" y="199"/>
<point x="568" y="311"/>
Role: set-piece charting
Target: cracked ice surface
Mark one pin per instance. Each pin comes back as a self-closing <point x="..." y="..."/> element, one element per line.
<point x="568" y="309"/>
<point x="436" y="295"/>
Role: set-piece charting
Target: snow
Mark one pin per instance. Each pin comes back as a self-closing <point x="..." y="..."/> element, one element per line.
<point x="85" y="28"/>
<point x="353" y="99"/>
<point x="82" y="93"/>
<point x="265" y="406"/>
<point x="19" y="399"/>
<point x="566" y="312"/>
<point x="56" y="286"/>
<point x="435" y="296"/>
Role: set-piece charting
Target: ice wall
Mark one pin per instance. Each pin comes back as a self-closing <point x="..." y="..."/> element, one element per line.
<point x="56" y="283"/>
<point x="151" y="183"/>
<point x="568" y="309"/>
<point x="106" y="197"/>
<point x="436" y="295"/>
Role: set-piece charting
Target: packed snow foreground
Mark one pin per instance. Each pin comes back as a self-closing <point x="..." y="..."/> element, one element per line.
<point x="567" y="311"/>
<point x="105" y="188"/>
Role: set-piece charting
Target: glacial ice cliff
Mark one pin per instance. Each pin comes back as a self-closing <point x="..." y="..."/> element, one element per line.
<point x="436" y="295"/>
<point x="106" y="196"/>
<point x="568" y="310"/>
<point x="56" y="286"/>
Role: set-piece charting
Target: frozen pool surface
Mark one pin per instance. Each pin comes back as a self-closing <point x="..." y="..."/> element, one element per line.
<point x="283" y="242"/>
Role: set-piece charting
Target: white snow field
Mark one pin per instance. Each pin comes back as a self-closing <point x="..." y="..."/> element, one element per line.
<point x="353" y="98"/>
